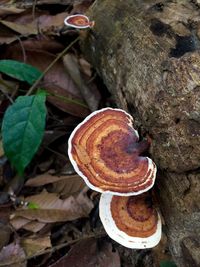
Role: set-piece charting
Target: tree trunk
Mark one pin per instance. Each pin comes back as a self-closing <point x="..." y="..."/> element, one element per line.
<point x="147" y="53"/>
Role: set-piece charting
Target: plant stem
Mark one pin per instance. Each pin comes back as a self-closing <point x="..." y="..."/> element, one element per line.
<point x="32" y="88"/>
<point x="68" y="100"/>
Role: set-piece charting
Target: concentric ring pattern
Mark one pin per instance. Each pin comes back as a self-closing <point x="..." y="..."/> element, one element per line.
<point x="105" y="150"/>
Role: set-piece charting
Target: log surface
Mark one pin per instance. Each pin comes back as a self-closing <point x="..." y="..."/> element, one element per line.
<point x="147" y="53"/>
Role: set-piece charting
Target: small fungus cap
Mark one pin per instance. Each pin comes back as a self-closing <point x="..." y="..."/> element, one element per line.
<point x="130" y="221"/>
<point x="105" y="151"/>
<point x="78" y="21"/>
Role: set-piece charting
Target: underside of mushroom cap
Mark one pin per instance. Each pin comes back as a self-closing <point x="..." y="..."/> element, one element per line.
<point x="105" y="151"/>
<point x="131" y="221"/>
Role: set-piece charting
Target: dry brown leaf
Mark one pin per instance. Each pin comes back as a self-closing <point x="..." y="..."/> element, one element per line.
<point x="25" y="30"/>
<point x="64" y="185"/>
<point x="3" y="2"/>
<point x="34" y="245"/>
<point x="13" y="256"/>
<point x="66" y="102"/>
<point x="8" y="87"/>
<point x="51" y="25"/>
<point x="5" y="232"/>
<point x="4" y="210"/>
<point x="47" y="215"/>
<point x="52" y="209"/>
<point x="16" y="25"/>
<point x="9" y="9"/>
<point x="42" y="21"/>
<point x="43" y="43"/>
<point x="18" y="222"/>
<point x="85" y="67"/>
<point x="47" y="178"/>
<point x="7" y="36"/>
<point x="72" y="66"/>
<point x="69" y="186"/>
<point x="89" y="253"/>
<point x="34" y="226"/>
<point x="57" y="82"/>
<point x="45" y="165"/>
<point x="27" y="16"/>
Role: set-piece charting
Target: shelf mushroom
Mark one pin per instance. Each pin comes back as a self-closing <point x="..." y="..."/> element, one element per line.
<point x="105" y="151"/>
<point x="78" y="21"/>
<point x="131" y="221"/>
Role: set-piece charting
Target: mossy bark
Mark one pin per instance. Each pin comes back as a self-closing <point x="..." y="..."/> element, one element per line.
<point x="147" y="53"/>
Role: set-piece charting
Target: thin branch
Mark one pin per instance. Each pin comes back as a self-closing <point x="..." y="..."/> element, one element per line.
<point x="33" y="9"/>
<point x="23" y="49"/>
<point x="53" y="249"/>
<point x="56" y="153"/>
<point x="50" y="66"/>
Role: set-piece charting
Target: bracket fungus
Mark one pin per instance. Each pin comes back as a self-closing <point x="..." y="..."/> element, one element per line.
<point x="78" y="21"/>
<point x="105" y="151"/>
<point x="131" y="221"/>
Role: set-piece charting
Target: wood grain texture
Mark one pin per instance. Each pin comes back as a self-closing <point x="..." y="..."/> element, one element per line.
<point x="147" y="53"/>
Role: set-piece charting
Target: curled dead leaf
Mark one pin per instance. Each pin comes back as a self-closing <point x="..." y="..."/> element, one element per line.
<point x="5" y="232"/>
<point x="64" y="185"/>
<point x="27" y="29"/>
<point x="32" y="226"/>
<point x="13" y="255"/>
<point x="53" y="209"/>
<point x="90" y="253"/>
<point x="63" y="92"/>
<point x="91" y="98"/>
<point x="33" y="245"/>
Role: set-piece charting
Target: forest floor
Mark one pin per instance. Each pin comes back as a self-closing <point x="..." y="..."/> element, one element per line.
<point x="61" y="226"/>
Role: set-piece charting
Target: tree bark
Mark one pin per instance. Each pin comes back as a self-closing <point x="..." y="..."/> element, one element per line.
<point x="147" y="53"/>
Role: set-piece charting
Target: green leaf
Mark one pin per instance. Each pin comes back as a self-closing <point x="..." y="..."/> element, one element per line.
<point x="33" y="206"/>
<point x="23" y="128"/>
<point x="21" y="71"/>
<point x="167" y="264"/>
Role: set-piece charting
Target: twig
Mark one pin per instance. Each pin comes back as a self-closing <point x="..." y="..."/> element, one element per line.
<point x="23" y="49"/>
<point x="53" y="249"/>
<point x="56" y="153"/>
<point x="68" y="100"/>
<point x="33" y="9"/>
<point x="50" y="66"/>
